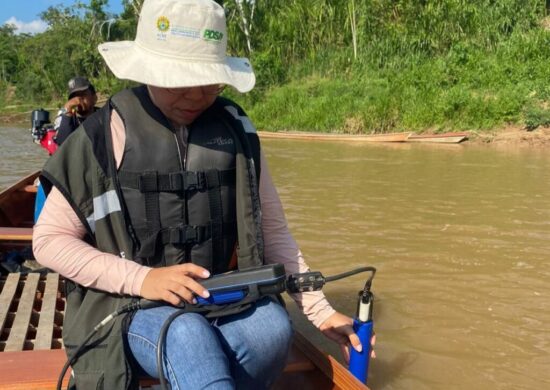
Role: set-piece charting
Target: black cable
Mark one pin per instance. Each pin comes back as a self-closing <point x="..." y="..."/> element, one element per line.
<point x="101" y="324"/>
<point x="160" y="346"/>
<point x="350" y="273"/>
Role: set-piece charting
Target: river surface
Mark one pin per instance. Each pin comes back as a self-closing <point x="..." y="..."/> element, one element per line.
<point x="460" y="235"/>
<point x="19" y="156"/>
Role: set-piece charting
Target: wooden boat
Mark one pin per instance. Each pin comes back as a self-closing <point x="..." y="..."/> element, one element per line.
<point x="445" y="138"/>
<point x="382" y="137"/>
<point x="17" y="214"/>
<point x="32" y="310"/>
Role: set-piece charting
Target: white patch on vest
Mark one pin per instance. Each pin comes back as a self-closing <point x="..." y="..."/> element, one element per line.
<point x="248" y="126"/>
<point x="91" y="222"/>
<point x="103" y="205"/>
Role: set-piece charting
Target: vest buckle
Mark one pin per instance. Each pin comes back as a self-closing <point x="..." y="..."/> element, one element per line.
<point x="195" y="181"/>
<point x="190" y="234"/>
<point x="176" y="181"/>
<point x="184" y="235"/>
<point x="194" y="234"/>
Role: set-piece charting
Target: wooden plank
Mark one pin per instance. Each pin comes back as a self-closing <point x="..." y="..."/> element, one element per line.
<point x="16" y="338"/>
<point x="44" y="332"/>
<point x="297" y="361"/>
<point x="15" y="234"/>
<point x="37" y="370"/>
<point x="6" y="297"/>
<point x="339" y="375"/>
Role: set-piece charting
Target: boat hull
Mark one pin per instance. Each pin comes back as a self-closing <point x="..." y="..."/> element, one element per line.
<point x="17" y="203"/>
<point x="444" y="138"/>
<point x="383" y="137"/>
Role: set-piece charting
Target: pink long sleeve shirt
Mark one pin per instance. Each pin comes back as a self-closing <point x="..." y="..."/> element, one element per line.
<point x="58" y="244"/>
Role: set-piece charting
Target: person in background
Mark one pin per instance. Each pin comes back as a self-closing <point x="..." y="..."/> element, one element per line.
<point x="162" y="187"/>
<point x="81" y="104"/>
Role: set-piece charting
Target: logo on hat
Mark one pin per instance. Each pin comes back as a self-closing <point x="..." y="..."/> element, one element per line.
<point x="212" y="35"/>
<point x="163" y="24"/>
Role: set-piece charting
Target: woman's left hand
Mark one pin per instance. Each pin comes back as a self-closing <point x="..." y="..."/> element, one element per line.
<point x="339" y="328"/>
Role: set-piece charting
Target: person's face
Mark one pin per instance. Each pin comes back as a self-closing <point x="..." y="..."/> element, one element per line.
<point x="183" y="105"/>
<point x="87" y="101"/>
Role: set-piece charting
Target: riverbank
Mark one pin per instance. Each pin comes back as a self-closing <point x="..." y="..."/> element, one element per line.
<point x="509" y="136"/>
<point x="512" y="136"/>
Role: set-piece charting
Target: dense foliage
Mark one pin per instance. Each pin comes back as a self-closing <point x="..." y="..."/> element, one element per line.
<point x="326" y="65"/>
<point x="35" y="68"/>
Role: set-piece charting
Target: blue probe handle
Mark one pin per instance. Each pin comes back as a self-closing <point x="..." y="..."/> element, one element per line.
<point x="359" y="361"/>
<point x="39" y="201"/>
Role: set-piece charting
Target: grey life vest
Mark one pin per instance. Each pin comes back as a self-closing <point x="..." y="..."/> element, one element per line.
<point x="179" y="185"/>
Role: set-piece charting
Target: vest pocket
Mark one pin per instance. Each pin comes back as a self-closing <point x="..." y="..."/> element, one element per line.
<point x="88" y="381"/>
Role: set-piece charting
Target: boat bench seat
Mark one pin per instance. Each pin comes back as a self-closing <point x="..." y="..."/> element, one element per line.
<point x="32" y="309"/>
<point x="40" y="369"/>
<point x="15" y="234"/>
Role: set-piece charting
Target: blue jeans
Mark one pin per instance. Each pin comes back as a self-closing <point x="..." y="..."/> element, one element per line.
<point x="247" y="350"/>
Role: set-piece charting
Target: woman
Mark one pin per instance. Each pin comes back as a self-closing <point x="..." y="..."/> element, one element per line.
<point x="162" y="187"/>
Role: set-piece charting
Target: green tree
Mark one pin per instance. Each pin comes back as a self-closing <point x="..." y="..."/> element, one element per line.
<point x="8" y="53"/>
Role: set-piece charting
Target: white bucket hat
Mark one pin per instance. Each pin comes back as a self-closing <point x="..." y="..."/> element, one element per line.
<point x="179" y="43"/>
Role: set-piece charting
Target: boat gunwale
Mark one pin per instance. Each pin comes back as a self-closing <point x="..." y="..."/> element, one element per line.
<point x="379" y="137"/>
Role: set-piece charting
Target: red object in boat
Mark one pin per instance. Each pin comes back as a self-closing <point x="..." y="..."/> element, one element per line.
<point x="47" y="141"/>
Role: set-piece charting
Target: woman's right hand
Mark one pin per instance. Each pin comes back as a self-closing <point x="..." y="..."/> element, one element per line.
<point x="175" y="283"/>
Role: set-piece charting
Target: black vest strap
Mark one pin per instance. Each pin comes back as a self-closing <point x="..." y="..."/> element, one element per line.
<point x="181" y="235"/>
<point x="216" y="212"/>
<point x="185" y="235"/>
<point x="152" y="206"/>
<point x="176" y="181"/>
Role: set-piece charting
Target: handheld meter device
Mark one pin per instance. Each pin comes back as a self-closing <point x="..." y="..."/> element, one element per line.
<point x="253" y="283"/>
